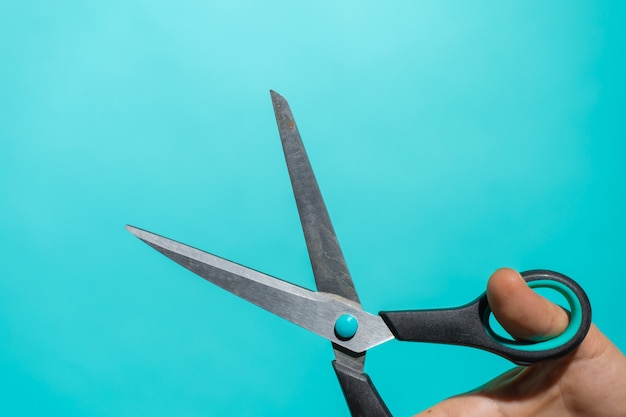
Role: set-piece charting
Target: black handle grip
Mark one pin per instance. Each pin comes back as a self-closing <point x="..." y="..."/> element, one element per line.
<point x="360" y="393"/>
<point x="468" y="325"/>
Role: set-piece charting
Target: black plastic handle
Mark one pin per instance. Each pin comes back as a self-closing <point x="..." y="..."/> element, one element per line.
<point x="360" y="393"/>
<point x="468" y="325"/>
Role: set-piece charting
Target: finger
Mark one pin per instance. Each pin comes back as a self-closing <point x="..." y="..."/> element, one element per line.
<point x="521" y="311"/>
<point x="463" y="406"/>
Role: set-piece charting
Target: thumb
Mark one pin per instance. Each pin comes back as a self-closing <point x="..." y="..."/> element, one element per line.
<point x="521" y="311"/>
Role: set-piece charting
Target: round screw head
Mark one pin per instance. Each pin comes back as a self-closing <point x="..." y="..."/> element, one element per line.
<point x="346" y="327"/>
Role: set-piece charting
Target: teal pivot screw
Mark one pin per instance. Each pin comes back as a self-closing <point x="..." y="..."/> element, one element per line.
<point x="346" y="327"/>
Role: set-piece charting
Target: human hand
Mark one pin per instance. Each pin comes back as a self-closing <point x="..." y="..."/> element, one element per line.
<point x="589" y="382"/>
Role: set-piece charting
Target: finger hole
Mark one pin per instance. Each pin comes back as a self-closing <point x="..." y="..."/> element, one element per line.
<point x="499" y="330"/>
<point x="554" y="291"/>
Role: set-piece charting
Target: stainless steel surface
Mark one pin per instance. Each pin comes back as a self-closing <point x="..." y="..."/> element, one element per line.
<point x="329" y="266"/>
<point x="315" y="311"/>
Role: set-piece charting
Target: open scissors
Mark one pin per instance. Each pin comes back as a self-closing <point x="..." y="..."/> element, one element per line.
<point x="334" y="311"/>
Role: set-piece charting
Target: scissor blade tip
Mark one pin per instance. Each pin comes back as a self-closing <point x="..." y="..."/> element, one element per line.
<point x="277" y="98"/>
<point x="140" y="233"/>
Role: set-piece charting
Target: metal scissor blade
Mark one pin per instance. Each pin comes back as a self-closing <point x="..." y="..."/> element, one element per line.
<point x="314" y="311"/>
<point x="329" y="266"/>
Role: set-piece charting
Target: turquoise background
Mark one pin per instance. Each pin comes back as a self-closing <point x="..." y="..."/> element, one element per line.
<point x="449" y="138"/>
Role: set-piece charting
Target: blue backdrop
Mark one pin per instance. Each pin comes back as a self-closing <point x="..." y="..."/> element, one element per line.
<point x="449" y="138"/>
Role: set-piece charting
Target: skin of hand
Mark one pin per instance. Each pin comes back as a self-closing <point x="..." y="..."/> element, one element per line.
<point x="589" y="382"/>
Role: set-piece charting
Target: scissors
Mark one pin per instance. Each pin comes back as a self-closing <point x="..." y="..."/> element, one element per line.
<point x="334" y="311"/>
